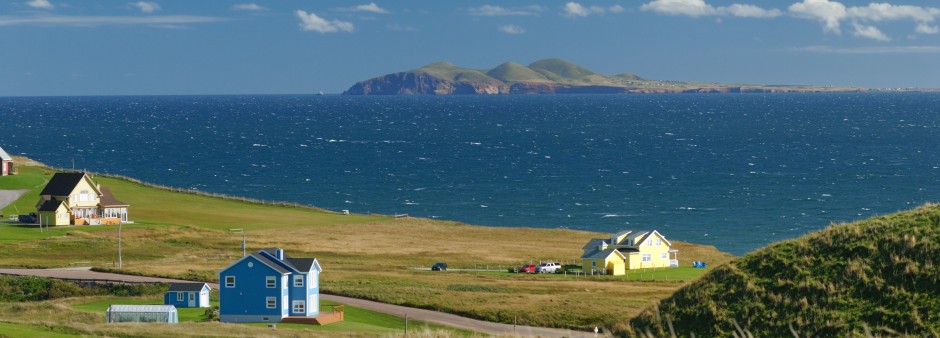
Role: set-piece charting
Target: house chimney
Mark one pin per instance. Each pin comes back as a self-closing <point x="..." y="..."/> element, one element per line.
<point x="279" y="253"/>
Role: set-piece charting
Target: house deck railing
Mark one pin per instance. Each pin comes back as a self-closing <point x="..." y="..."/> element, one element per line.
<point x="673" y="263"/>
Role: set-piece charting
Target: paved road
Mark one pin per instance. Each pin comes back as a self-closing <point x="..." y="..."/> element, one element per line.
<point x="10" y="196"/>
<point x="427" y="316"/>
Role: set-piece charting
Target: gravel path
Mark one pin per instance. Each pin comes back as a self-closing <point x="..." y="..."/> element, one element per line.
<point x="10" y="196"/>
<point x="428" y="316"/>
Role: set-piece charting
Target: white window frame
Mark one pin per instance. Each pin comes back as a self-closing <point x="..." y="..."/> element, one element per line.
<point x="192" y="296"/>
<point x="298" y="281"/>
<point x="298" y="306"/>
<point x="270" y="302"/>
<point x="270" y="282"/>
<point x="659" y="242"/>
<point x="647" y="257"/>
<point x="230" y="281"/>
<point x="664" y="255"/>
<point x="179" y="296"/>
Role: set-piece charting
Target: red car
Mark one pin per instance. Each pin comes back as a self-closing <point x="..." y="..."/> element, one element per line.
<point x="529" y="268"/>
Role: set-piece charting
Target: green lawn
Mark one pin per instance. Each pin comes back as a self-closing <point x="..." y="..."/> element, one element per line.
<point x="356" y="319"/>
<point x="24" y="330"/>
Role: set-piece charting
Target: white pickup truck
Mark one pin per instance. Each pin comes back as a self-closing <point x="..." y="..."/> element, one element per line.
<point x="550" y="267"/>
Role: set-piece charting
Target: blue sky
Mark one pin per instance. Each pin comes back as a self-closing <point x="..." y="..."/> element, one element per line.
<point x="50" y="47"/>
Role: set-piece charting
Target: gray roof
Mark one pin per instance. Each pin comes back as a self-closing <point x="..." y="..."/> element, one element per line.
<point x="594" y="243"/>
<point x="187" y="286"/>
<point x="4" y="156"/>
<point x="598" y="254"/>
<point x="50" y="205"/>
<point x="269" y="262"/>
<point x="142" y="308"/>
<point x="301" y="264"/>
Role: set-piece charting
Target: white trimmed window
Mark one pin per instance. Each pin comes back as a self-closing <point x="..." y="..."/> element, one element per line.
<point x="298" y="306"/>
<point x="179" y="296"/>
<point x="647" y="258"/>
<point x="664" y="255"/>
<point x="298" y="281"/>
<point x="270" y="282"/>
<point x="230" y="281"/>
<point x="271" y="302"/>
<point x="192" y="296"/>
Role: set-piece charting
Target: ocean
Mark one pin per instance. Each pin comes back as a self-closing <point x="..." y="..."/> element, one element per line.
<point x="738" y="171"/>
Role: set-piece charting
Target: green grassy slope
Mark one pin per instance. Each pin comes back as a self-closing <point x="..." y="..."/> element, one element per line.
<point x="514" y="72"/>
<point x="880" y="274"/>
<point x="448" y="71"/>
<point x="563" y="70"/>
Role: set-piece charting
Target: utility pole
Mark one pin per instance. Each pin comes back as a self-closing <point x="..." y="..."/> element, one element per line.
<point x="120" y="260"/>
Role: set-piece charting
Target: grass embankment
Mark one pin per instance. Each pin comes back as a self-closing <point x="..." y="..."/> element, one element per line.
<point x="367" y="256"/>
<point x="880" y="274"/>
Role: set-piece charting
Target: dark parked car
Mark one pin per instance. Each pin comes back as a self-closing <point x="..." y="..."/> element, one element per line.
<point x="31" y="218"/>
<point x="439" y="266"/>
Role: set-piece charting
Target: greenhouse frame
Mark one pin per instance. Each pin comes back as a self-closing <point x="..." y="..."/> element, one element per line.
<point x="142" y="314"/>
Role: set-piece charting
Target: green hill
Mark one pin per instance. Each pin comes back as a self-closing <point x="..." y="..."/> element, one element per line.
<point x="514" y="72"/>
<point x="880" y="274"/>
<point x="450" y="72"/>
<point x="558" y="69"/>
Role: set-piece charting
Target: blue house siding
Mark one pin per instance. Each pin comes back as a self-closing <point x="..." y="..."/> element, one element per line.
<point x="247" y="301"/>
<point x="179" y="295"/>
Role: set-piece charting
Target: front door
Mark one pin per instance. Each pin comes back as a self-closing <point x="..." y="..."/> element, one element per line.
<point x="192" y="299"/>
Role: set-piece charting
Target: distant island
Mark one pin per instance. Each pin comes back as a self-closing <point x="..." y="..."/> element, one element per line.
<point x="549" y="76"/>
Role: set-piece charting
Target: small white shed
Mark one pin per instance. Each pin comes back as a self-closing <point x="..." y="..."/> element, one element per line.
<point x="142" y="314"/>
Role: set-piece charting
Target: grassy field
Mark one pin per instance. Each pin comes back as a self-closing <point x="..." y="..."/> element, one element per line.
<point x="878" y="275"/>
<point x="367" y="256"/>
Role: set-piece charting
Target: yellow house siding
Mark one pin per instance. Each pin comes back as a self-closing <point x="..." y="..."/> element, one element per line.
<point x="53" y="218"/>
<point x="655" y="246"/>
<point x="85" y="195"/>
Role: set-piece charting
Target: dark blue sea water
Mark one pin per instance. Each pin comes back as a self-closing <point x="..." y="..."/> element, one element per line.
<point x="735" y="171"/>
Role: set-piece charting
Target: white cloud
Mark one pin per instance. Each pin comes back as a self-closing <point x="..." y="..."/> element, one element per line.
<point x="63" y="20"/>
<point x="511" y="29"/>
<point x="44" y="4"/>
<point x="871" y="50"/>
<point x="252" y="7"/>
<point x="312" y="22"/>
<point x="869" y="32"/>
<point x="146" y="6"/>
<point x="370" y="7"/>
<point x="750" y="11"/>
<point x="693" y="8"/>
<point x="924" y="28"/>
<point x="832" y="13"/>
<point x="697" y="8"/>
<point x="491" y="10"/>
<point x="574" y="9"/>
<point x="829" y="12"/>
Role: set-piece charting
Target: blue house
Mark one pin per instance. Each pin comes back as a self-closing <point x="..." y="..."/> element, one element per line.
<point x="269" y="286"/>
<point x="187" y="295"/>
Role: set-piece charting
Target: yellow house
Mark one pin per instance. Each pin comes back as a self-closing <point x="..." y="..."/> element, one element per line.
<point x="635" y="249"/>
<point x="73" y="198"/>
